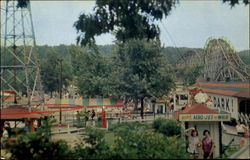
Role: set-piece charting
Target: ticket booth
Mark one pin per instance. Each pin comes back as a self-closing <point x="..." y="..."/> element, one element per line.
<point x="203" y="118"/>
<point x="160" y="106"/>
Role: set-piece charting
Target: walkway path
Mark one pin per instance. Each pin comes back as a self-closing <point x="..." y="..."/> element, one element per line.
<point x="245" y="154"/>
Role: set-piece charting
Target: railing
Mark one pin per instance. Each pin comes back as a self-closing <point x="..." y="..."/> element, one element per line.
<point x="241" y="151"/>
<point x="71" y="125"/>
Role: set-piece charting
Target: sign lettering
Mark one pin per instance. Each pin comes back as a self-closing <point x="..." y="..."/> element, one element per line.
<point x="222" y="103"/>
<point x="227" y="104"/>
<point x="218" y="102"/>
<point x="214" y="102"/>
<point x="204" y="117"/>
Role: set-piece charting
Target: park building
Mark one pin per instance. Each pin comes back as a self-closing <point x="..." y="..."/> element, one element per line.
<point x="228" y="97"/>
<point x="181" y="96"/>
<point x="175" y="101"/>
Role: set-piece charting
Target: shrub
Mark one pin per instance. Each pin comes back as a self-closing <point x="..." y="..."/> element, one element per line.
<point x="167" y="127"/>
<point x="37" y="145"/>
<point x="131" y="141"/>
<point x="93" y="146"/>
<point x="145" y="144"/>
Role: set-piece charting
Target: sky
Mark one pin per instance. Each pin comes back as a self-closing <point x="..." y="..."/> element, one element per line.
<point x="190" y="23"/>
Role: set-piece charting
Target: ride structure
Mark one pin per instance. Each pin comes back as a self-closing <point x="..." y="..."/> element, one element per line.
<point x="219" y="59"/>
<point x="20" y="73"/>
<point x="222" y="62"/>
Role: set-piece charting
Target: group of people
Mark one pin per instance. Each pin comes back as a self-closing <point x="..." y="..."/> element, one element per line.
<point x="197" y="147"/>
<point x="89" y="114"/>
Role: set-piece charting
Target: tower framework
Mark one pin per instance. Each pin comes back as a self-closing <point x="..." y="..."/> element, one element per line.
<point x="20" y="73"/>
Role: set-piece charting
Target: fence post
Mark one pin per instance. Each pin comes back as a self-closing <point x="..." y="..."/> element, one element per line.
<point x="68" y="129"/>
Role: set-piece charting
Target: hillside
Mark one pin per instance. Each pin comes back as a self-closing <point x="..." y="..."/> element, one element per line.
<point x="173" y="54"/>
<point x="245" y="56"/>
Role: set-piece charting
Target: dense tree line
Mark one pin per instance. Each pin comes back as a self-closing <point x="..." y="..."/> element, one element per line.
<point x="50" y="56"/>
<point x="81" y="62"/>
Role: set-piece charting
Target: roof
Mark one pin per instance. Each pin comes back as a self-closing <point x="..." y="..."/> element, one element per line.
<point x="195" y="109"/>
<point x="17" y="112"/>
<point x="235" y="89"/>
<point x="244" y="94"/>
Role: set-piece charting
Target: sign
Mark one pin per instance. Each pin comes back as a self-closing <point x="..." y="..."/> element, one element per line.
<point x="204" y="117"/>
<point x="158" y="100"/>
<point x="224" y="103"/>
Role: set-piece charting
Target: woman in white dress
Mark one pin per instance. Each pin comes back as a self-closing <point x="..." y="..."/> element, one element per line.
<point x="194" y="142"/>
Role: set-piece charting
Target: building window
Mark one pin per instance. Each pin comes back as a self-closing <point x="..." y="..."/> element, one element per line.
<point x="184" y="97"/>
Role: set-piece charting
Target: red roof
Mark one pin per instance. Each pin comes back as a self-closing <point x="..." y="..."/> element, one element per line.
<point x="244" y="94"/>
<point x="235" y="89"/>
<point x="195" y="109"/>
<point x="217" y="91"/>
<point x="19" y="112"/>
<point x="225" y="84"/>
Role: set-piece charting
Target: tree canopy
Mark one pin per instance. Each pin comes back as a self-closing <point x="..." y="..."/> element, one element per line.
<point x="126" y="19"/>
<point x="235" y="2"/>
<point x="142" y="70"/>
<point x="22" y="3"/>
<point x="130" y="19"/>
<point x="91" y="71"/>
<point x="51" y="70"/>
<point x="189" y="74"/>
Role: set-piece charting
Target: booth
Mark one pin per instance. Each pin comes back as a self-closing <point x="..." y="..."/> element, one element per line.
<point x="20" y="113"/>
<point x="203" y="118"/>
<point x="160" y="106"/>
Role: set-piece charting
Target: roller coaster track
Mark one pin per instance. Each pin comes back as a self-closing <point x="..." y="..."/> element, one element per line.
<point x="222" y="61"/>
<point x="190" y="58"/>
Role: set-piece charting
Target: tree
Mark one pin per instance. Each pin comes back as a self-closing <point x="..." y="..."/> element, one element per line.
<point x="91" y="71"/>
<point x="131" y="19"/>
<point x="22" y="3"/>
<point x="126" y="19"/>
<point x="234" y="2"/>
<point x="141" y="70"/>
<point x="51" y="70"/>
<point x="189" y="74"/>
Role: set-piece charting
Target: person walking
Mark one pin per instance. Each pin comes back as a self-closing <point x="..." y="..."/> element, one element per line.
<point x="87" y="115"/>
<point x="93" y="114"/>
<point x="194" y="142"/>
<point x="207" y="145"/>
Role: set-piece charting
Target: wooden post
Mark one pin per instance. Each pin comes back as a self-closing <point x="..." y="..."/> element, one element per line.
<point x="142" y="108"/>
<point x="104" y="120"/>
<point x="39" y="123"/>
<point x="32" y="129"/>
<point x="220" y="138"/>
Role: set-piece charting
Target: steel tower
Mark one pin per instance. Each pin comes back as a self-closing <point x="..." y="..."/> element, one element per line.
<point x="20" y="74"/>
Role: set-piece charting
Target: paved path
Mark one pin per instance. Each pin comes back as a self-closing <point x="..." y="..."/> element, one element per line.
<point x="245" y="154"/>
<point x="72" y="139"/>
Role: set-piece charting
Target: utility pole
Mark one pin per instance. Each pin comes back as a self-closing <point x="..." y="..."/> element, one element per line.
<point x="60" y="89"/>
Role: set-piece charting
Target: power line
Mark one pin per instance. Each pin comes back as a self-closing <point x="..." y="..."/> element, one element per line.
<point x="175" y="46"/>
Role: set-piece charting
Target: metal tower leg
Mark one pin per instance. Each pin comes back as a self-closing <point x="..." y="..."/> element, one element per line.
<point x="19" y="60"/>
